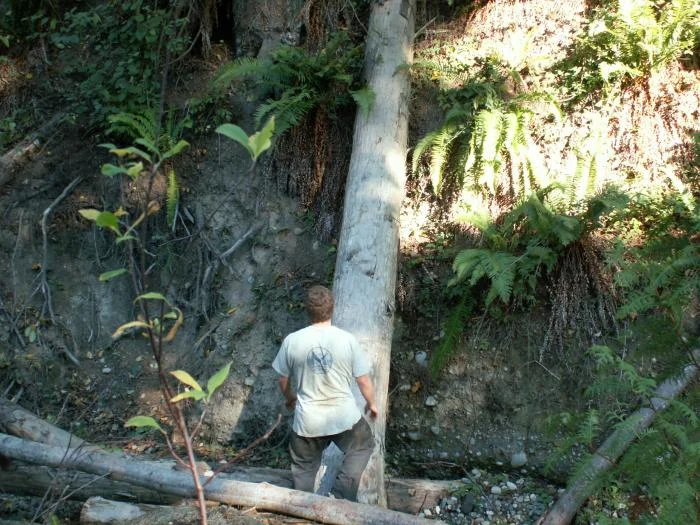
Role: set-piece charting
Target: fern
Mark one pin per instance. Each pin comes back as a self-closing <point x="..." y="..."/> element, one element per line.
<point x="173" y="198"/>
<point x="294" y="81"/>
<point x="453" y="328"/>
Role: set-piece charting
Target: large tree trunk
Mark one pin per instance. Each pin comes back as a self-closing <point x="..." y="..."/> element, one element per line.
<point x="614" y="446"/>
<point x="259" y="495"/>
<point x="365" y="273"/>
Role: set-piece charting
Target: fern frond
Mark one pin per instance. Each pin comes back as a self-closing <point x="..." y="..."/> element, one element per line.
<point x="173" y="198"/>
<point x="453" y="328"/>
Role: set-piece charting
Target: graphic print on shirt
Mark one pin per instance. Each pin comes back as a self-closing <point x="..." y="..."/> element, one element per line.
<point x="320" y="360"/>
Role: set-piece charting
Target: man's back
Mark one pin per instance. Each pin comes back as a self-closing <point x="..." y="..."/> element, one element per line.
<point x="322" y="362"/>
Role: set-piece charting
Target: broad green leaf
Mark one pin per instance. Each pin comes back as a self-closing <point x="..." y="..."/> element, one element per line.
<point x="176" y="149"/>
<point x="143" y="421"/>
<point x="90" y="213"/>
<point x="217" y="380"/>
<point x="107" y="219"/>
<point x="109" y="146"/>
<point x="186" y="378"/>
<point x="171" y="315"/>
<point x="151" y="295"/>
<point x="190" y="394"/>
<point x="125" y="152"/>
<point x="260" y="141"/>
<point x="126" y="326"/>
<point x="235" y="133"/>
<point x="135" y="170"/>
<point x="112" y="274"/>
<point x="111" y="170"/>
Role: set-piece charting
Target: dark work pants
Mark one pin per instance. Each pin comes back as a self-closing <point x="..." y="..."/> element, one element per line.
<point x="357" y="444"/>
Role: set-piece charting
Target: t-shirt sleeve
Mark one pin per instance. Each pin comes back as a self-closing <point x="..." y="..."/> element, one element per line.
<point x="360" y="362"/>
<point x="280" y="364"/>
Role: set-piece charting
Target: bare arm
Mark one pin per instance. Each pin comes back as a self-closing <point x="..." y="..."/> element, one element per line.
<point x="367" y="390"/>
<point x="290" y="397"/>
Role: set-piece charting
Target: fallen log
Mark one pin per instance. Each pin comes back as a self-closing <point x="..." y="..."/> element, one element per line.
<point x="100" y="511"/>
<point x="262" y="496"/>
<point x="17" y="156"/>
<point x="19" y="422"/>
<point x="35" y="480"/>
<point x="563" y="511"/>
<point x="403" y="495"/>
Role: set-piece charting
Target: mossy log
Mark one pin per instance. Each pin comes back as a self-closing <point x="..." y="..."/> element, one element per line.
<point x="565" y="508"/>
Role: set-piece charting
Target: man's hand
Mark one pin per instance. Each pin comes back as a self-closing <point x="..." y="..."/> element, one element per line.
<point x="371" y="410"/>
<point x="291" y="403"/>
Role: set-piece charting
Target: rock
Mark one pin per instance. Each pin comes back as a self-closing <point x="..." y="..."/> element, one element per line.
<point x="298" y="231"/>
<point x="496" y="490"/>
<point x="511" y="486"/>
<point x="414" y="436"/>
<point x="422" y="359"/>
<point x="249" y="381"/>
<point x="518" y="459"/>
<point x="405" y="387"/>
<point x="435" y="429"/>
<point x="427" y="513"/>
<point x="467" y="504"/>
<point x="106" y="370"/>
<point x="431" y="401"/>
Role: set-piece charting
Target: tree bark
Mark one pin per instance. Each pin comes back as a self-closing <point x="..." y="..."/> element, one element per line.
<point x="259" y="495"/>
<point x="22" y="423"/>
<point x="365" y="274"/>
<point x="563" y="511"/>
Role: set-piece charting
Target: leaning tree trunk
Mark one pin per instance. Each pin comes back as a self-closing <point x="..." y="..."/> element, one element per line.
<point x="365" y="274"/>
<point x="615" y="445"/>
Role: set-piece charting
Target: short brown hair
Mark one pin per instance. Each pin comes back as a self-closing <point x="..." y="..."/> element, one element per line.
<point x="319" y="303"/>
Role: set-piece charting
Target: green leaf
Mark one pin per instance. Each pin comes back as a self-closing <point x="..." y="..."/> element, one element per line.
<point x="125" y="152"/>
<point x="135" y="170"/>
<point x="152" y="295"/>
<point x="186" y="378"/>
<point x="235" y="133"/>
<point x="143" y="421"/>
<point x="126" y="326"/>
<point x="364" y="98"/>
<point x="111" y="170"/>
<point x="123" y="238"/>
<point x="147" y="144"/>
<point x="90" y="214"/>
<point x="260" y="141"/>
<point x="190" y="394"/>
<point x="107" y="219"/>
<point x="217" y="380"/>
<point x="176" y="149"/>
<point x="104" y="277"/>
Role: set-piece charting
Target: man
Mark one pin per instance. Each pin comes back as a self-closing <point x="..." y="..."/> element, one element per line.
<point x="317" y="366"/>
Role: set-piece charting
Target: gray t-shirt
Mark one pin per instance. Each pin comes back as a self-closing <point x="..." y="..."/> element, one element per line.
<point x="322" y="363"/>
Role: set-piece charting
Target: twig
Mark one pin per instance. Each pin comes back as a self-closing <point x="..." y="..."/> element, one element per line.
<point x="417" y="33"/>
<point x="246" y="450"/>
<point x="45" y="288"/>
<point x="12" y="323"/>
<point x="206" y="334"/>
<point x="352" y="6"/>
